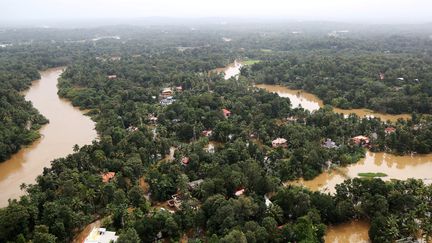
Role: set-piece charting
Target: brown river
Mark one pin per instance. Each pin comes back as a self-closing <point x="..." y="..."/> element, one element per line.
<point x="67" y="126"/>
<point x="396" y="167"/>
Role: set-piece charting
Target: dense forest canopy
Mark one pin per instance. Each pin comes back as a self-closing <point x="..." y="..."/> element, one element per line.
<point x="120" y="72"/>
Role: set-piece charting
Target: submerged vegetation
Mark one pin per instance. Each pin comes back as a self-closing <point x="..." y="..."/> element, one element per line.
<point x="372" y="174"/>
<point x="150" y="98"/>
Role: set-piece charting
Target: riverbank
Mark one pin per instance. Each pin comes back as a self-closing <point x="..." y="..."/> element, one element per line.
<point x="68" y="126"/>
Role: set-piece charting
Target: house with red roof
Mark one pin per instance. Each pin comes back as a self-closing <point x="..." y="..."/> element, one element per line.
<point x="226" y="113"/>
<point x="389" y="130"/>
<point x="185" y="160"/>
<point x="106" y="177"/>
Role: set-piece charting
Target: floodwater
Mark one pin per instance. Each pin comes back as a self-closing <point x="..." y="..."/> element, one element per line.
<point x="68" y="126"/>
<point x="232" y="70"/>
<point x="351" y="232"/>
<point x="396" y="167"/>
<point x="311" y="102"/>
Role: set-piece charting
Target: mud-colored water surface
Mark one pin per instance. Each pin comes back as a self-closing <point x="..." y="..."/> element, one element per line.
<point x="351" y="232"/>
<point x="396" y="167"/>
<point x="67" y="126"/>
<point x="232" y="70"/>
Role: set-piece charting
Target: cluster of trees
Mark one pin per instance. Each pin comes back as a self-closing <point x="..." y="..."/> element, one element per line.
<point x="71" y="193"/>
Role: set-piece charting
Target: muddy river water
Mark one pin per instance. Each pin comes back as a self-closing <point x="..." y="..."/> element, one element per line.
<point x="67" y="126"/>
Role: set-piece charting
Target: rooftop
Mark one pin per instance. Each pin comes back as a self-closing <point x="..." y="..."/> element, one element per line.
<point x="108" y="176"/>
<point x="101" y="235"/>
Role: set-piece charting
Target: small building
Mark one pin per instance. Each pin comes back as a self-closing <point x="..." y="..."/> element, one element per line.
<point x="132" y="129"/>
<point x="210" y="148"/>
<point x="111" y="77"/>
<point x="153" y="119"/>
<point x="226" y="113"/>
<point x="239" y="192"/>
<point x="101" y="235"/>
<point x="166" y="92"/>
<point x="207" y="133"/>
<point x="329" y="144"/>
<point x="107" y="176"/>
<point x="194" y="184"/>
<point x="167" y="101"/>
<point x="175" y="202"/>
<point x="382" y="76"/>
<point x="279" y="142"/>
<point x="267" y="201"/>
<point x="400" y="79"/>
<point x="291" y="119"/>
<point x="389" y="130"/>
<point x="185" y="160"/>
<point x="179" y="88"/>
<point x="361" y="140"/>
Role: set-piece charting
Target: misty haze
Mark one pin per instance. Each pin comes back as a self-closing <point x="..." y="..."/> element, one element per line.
<point x="226" y="121"/>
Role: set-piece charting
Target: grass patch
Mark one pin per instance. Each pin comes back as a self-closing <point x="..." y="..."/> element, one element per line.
<point x="266" y="50"/>
<point x="372" y="174"/>
<point x="250" y="62"/>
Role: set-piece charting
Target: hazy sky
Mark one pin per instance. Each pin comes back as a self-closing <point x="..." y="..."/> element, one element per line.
<point x="400" y="11"/>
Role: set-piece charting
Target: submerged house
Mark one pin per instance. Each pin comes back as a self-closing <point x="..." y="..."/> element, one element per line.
<point x="101" y="235"/>
<point x="279" y="142"/>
